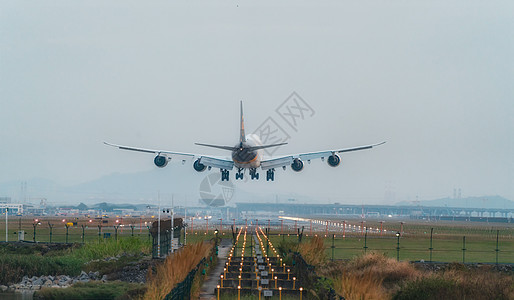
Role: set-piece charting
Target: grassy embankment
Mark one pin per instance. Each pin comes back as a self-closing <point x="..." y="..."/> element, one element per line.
<point x="375" y="276"/>
<point x="36" y="260"/>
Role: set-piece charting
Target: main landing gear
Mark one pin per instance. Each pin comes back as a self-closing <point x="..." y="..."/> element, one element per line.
<point x="224" y="174"/>
<point x="270" y="175"/>
<point x="240" y="174"/>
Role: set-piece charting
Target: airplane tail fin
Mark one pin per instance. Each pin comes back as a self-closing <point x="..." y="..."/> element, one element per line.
<point x="242" y="137"/>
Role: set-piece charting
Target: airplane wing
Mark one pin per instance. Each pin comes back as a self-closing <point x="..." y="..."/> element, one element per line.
<point x="209" y="161"/>
<point x="287" y="160"/>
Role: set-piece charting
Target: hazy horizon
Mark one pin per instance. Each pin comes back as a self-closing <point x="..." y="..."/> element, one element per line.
<point x="433" y="79"/>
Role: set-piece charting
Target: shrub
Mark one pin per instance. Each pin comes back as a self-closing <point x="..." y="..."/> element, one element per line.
<point x="92" y="290"/>
<point x="360" y="287"/>
<point x="110" y="248"/>
<point x="455" y="284"/>
<point x="385" y="269"/>
<point x="14" y="267"/>
<point x="314" y="251"/>
<point x="174" y="269"/>
<point x="432" y="287"/>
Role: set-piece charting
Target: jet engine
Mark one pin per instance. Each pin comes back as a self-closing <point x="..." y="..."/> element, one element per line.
<point x="198" y="166"/>
<point x="161" y="161"/>
<point x="297" y="165"/>
<point x="334" y="160"/>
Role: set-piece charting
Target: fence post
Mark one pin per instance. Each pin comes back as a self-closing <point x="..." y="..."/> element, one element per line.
<point x="51" y="226"/>
<point x="497" y="248"/>
<point x="116" y="232"/>
<point x="366" y="241"/>
<point x="333" y="242"/>
<point x="463" y="249"/>
<point x="431" y="248"/>
<point x="66" y="225"/>
<point x="83" y="233"/>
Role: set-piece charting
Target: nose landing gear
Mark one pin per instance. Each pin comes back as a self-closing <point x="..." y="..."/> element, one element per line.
<point x="239" y="174"/>
<point x="254" y="174"/>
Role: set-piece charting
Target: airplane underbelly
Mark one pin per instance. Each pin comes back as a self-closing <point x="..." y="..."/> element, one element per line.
<point x="246" y="160"/>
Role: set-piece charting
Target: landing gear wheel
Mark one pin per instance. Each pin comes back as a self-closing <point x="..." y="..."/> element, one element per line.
<point x="270" y="175"/>
<point x="224" y="174"/>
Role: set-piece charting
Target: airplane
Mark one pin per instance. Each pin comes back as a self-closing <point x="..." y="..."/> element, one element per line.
<point x="247" y="154"/>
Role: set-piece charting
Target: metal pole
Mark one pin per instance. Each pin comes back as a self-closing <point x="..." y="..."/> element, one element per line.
<point x="431" y="248"/>
<point x="185" y="226"/>
<point x="398" y="246"/>
<point x="67" y="233"/>
<point x="83" y="233"/>
<point x="6" y="224"/>
<point x="51" y="227"/>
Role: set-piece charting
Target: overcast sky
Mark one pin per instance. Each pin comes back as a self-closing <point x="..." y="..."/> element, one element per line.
<point x="432" y="78"/>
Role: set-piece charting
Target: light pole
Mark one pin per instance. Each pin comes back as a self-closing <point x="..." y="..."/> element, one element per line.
<point x="36" y="222"/>
<point x="172" y="224"/>
<point x="159" y="229"/>
<point x="398" y="246"/>
<point x="116" y="230"/>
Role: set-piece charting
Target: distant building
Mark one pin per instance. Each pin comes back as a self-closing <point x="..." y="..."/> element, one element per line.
<point x="5" y="200"/>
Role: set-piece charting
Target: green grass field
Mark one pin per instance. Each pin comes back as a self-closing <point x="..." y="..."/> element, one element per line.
<point x="447" y="241"/>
